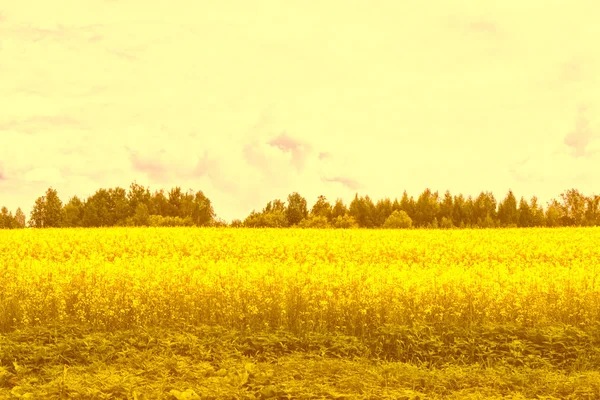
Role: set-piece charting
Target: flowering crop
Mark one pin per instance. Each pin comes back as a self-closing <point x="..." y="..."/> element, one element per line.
<point x="349" y="281"/>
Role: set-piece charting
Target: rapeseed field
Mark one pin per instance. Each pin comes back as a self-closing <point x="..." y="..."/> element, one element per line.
<point x="502" y="298"/>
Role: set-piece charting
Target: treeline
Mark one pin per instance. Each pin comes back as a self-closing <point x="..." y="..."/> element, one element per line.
<point x="138" y="207"/>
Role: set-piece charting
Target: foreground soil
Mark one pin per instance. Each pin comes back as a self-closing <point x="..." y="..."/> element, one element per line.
<point x="214" y="363"/>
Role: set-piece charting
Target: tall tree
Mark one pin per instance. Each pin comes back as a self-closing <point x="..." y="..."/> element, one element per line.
<point x="73" y="213"/>
<point x="484" y="210"/>
<point x="53" y="213"/>
<point x="6" y="219"/>
<point x="574" y="204"/>
<point x="592" y="210"/>
<point x="297" y="209"/>
<point x="20" y="218"/>
<point x="537" y="213"/>
<point x="160" y="204"/>
<point x="555" y="215"/>
<point x="408" y="205"/>
<point x="383" y="209"/>
<point x="38" y="213"/>
<point x="507" y="210"/>
<point x="203" y="213"/>
<point x="446" y="207"/>
<point x="118" y="206"/>
<point x="361" y="209"/>
<point x="137" y="194"/>
<point x="525" y="214"/>
<point x="322" y="208"/>
<point x="339" y="209"/>
<point x="428" y="208"/>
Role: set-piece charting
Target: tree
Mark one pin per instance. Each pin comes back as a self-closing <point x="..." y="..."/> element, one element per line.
<point x="339" y="209"/>
<point x="137" y="194"/>
<point x="554" y="214"/>
<point x="525" y="214"/>
<point x="537" y="213"/>
<point x="322" y="208"/>
<point x="53" y="217"/>
<point x="574" y="204"/>
<point x="20" y="218"/>
<point x="297" y="209"/>
<point x="6" y="219"/>
<point x="507" y="210"/>
<point x="592" y="210"/>
<point x="427" y="208"/>
<point x="362" y="210"/>
<point x="383" y="209"/>
<point x="38" y="213"/>
<point x="484" y="206"/>
<point x="159" y="204"/>
<point x="96" y="210"/>
<point x="408" y="205"/>
<point x="141" y="216"/>
<point x="446" y="207"/>
<point x="398" y="220"/>
<point x="175" y="198"/>
<point x="203" y="213"/>
<point x="118" y="206"/>
<point x="73" y="213"/>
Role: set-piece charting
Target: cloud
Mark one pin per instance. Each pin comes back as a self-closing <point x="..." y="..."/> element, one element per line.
<point x="2" y="174"/>
<point x="44" y="174"/>
<point x="41" y="123"/>
<point x="346" y="182"/>
<point x="300" y="150"/>
<point x="324" y="155"/>
<point x="580" y="137"/>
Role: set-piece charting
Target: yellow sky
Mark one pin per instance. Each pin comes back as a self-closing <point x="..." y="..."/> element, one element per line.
<point x="252" y="100"/>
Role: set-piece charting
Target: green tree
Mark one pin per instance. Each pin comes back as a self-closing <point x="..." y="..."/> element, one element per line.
<point x="362" y="210"/>
<point x="427" y="208"/>
<point x="398" y="220"/>
<point x="297" y="209"/>
<point x="446" y="207"/>
<point x="159" y="204"/>
<point x="96" y="210"/>
<point x="484" y="206"/>
<point x="53" y="210"/>
<point x="175" y="199"/>
<point x="574" y="204"/>
<point x="73" y="213"/>
<point x="592" y="210"/>
<point x="555" y="215"/>
<point x="203" y="213"/>
<point x="507" y="210"/>
<point x="537" y="213"/>
<point x="37" y="215"/>
<point x="141" y="216"/>
<point x="6" y="219"/>
<point x="322" y="208"/>
<point x="118" y="206"/>
<point x="339" y="209"/>
<point x="383" y="209"/>
<point x="20" y="218"/>
<point x="525" y="214"/>
<point x="408" y="205"/>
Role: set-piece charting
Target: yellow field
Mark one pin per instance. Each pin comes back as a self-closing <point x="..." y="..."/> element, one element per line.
<point x="350" y="281"/>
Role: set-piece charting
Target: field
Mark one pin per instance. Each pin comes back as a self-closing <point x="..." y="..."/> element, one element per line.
<point x="188" y="313"/>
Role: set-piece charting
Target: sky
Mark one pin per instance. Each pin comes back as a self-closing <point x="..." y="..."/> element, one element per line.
<point x="250" y="101"/>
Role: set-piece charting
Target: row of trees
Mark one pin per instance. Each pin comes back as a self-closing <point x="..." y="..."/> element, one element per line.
<point x="138" y="207"/>
<point x="430" y="211"/>
<point x="118" y="207"/>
